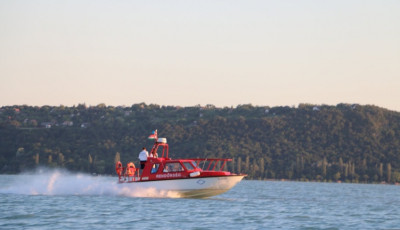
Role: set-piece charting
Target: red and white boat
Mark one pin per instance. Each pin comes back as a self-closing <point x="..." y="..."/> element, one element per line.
<point x="194" y="178"/>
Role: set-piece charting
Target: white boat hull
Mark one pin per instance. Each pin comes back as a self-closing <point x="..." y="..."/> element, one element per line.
<point x="199" y="187"/>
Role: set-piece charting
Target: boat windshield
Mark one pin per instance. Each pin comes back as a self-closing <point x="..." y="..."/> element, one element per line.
<point x="188" y="166"/>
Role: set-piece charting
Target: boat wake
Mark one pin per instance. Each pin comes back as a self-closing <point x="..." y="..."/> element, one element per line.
<point x="61" y="182"/>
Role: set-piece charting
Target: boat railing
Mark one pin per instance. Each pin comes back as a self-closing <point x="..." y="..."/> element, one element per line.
<point x="211" y="164"/>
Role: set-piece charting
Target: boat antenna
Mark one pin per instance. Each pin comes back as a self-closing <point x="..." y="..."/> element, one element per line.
<point x="204" y="164"/>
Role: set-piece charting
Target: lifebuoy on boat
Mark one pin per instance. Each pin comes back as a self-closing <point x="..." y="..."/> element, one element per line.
<point x="118" y="168"/>
<point x="130" y="169"/>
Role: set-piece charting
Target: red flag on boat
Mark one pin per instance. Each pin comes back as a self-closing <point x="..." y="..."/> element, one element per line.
<point x="153" y="135"/>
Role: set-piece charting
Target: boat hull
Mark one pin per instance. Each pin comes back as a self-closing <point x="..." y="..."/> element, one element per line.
<point x="198" y="187"/>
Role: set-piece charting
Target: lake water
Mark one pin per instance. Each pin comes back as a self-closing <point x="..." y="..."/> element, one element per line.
<point x="61" y="200"/>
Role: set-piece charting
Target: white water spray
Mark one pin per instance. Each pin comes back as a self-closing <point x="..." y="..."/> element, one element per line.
<point x="61" y="182"/>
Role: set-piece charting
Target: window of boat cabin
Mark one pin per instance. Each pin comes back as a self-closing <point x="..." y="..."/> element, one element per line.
<point x="155" y="168"/>
<point x="188" y="166"/>
<point x="173" y="167"/>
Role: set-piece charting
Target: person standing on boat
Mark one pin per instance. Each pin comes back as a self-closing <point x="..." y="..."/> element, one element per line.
<point x="153" y="155"/>
<point x="143" y="157"/>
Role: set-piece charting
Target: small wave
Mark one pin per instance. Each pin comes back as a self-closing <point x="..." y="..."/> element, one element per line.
<point x="61" y="182"/>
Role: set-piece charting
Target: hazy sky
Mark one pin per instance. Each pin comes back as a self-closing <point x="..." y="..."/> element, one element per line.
<point x="281" y="52"/>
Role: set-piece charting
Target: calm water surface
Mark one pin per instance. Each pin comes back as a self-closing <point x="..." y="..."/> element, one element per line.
<point x="61" y="200"/>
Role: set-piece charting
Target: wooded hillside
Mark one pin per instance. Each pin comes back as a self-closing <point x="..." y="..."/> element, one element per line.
<point x="310" y="142"/>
